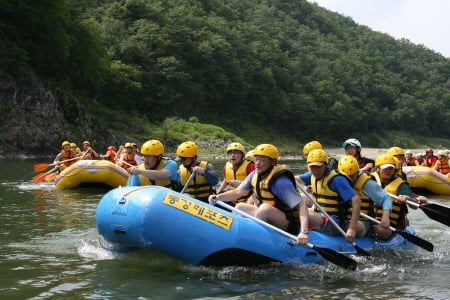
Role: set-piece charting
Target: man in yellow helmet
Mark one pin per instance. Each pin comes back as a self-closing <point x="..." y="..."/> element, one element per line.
<point x="89" y="152"/>
<point x="236" y="169"/>
<point x="313" y="145"/>
<point x="156" y="169"/>
<point x="277" y="200"/>
<point x="127" y="158"/>
<point x="387" y="177"/>
<point x="66" y="157"/>
<point x="336" y="197"/>
<point x="205" y="179"/>
<point x="75" y="149"/>
<point x="373" y="197"/>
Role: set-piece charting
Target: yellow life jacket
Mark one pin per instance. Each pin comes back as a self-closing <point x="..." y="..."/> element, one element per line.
<point x="367" y="205"/>
<point x="162" y="182"/>
<point x="261" y="190"/>
<point x="239" y="174"/>
<point x="329" y="200"/>
<point x="199" y="187"/>
<point x="397" y="217"/>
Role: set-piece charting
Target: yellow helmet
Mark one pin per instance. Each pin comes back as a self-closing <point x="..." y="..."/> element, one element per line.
<point x="316" y="156"/>
<point x="128" y="145"/>
<point x="250" y="156"/>
<point x="86" y="143"/>
<point x="398" y="164"/>
<point x="73" y="145"/>
<point x="395" y="151"/>
<point x="384" y="159"/>
<point x="267" y="150"/>
<point x="152" y="147"/>
<point x="348" y="165"/>
<point x="311" y="146"/>
<point x="65" y="143"/>
<point x="236" y="146"/>
<point x="187" y="149"/>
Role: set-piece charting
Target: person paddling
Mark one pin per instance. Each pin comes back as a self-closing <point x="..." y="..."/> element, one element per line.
<point x="236" y="170"/>
<point x="64" y="158"/>
<point x="277" y="200"/>
<point x="156" y="168"/>
<point x="386" y="176"/>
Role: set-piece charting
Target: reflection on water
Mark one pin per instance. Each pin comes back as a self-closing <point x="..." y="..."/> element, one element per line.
<point x="50" y="250"/>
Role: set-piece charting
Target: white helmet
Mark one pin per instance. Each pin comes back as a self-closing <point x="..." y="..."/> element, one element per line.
<point x="352" y="142"/>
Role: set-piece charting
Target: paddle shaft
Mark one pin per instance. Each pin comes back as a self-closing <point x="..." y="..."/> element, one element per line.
<point x="43" y="166"/>
<point x="342" y="232"/>
<point x="63" y="161"/>
<point x="412" y="238"/>
<point x="187" y="183"/>
<point x="332" y="256"/>
<point x="437" y="212"/>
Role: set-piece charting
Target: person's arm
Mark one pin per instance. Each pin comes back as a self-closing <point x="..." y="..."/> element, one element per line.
<point x="356" y="208"/>
<point x="346" y="192"/>
<point x="210" y="175"/>
<point x="377" y="195"/>
<point x="302" y="238"/>
<point x="94" y="153"/>
<point x="436" y="165"/>
<point x="237" y="193"/>
<point x="57" y="158"/>
<point x="381" y="199"/>
<point x="150" y="174"/>
<point x="222" y="186"/>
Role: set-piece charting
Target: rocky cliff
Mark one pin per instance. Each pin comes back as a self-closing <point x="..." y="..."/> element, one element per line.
<point x="34" y="120"/>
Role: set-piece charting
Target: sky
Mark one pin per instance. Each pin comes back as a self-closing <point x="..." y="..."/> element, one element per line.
<point x="425" y="22"/>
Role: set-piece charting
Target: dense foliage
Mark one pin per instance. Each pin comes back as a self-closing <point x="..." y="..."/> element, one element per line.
<point x="282" y="65"/>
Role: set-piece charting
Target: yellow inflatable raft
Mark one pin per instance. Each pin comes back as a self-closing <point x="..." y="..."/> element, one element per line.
<point x="92" y="173"/>
<point x="427" y="179"/>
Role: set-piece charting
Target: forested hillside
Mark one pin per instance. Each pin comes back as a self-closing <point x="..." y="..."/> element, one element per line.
<point x="284" y="67"/>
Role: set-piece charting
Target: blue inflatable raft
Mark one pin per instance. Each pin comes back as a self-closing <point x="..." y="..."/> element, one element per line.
<point x="152" y="217"/>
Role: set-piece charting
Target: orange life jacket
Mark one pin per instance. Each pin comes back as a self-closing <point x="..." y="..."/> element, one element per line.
<point x="67" y="155"/>
<point x="443" y="166"/>
<point x="130" y="159"/>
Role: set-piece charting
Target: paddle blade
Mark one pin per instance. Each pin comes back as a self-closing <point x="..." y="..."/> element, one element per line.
<point x="50" y="177"/>
<point x="336" y="257"/>
<point x="437" y="212"/>
<point x="38" y="178"/>
<point x="40" y="167"/>
<point x="416" y="240"/>
<point x="360" y="250"/>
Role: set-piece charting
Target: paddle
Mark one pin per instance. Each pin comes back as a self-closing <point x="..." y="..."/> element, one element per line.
<point x="38" y="178"/>
<point x="412" y="238"/>
<point x="43" y="167"/>
<point x="358" y="249"/>
<point x="50" y="177"/>
<point x="434" y="211"/>
<point x="187" y="183"/>
<point x="330" y="255"/>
